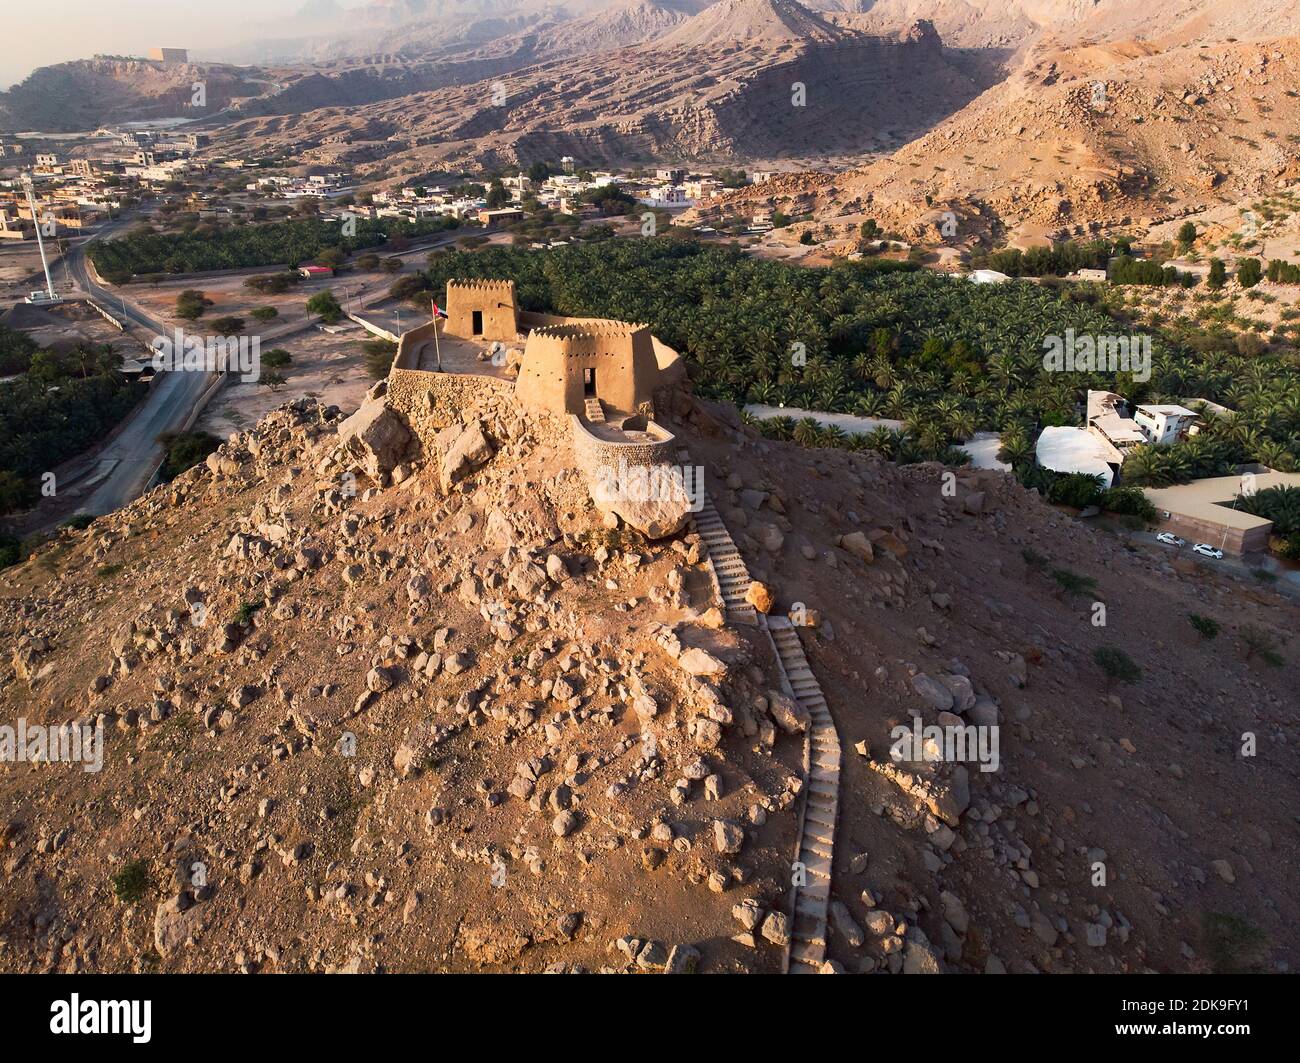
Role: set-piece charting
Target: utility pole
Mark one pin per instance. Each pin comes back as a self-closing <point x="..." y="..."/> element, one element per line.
<point x="28" y="185"/>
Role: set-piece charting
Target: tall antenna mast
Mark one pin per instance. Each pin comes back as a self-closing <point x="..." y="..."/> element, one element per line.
<point x="40" y="243"/>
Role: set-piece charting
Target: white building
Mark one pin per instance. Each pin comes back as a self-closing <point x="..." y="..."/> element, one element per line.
<point x="987" y="276"/>
<point x="1069" y="450"/>
<point x="1164" y="424"/>
<point x="670" y="196"/>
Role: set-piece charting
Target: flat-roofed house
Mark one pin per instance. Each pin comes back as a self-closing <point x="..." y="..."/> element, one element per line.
<point x="1206" y="510"/>
<point x="1165" y="424"/>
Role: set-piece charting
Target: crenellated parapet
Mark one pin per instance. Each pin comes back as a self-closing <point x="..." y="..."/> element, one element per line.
<point x="566" y="364"/>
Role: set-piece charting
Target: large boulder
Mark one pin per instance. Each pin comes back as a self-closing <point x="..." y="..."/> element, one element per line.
<point x="177" y="921"/>
<point x="652" y="499"/>
<point x="760" y="596"/>
<point x="700" y="662"/>
<point x="788" y="713"/>
<point x="376" y="435"/>
<point x="463" y="451"/>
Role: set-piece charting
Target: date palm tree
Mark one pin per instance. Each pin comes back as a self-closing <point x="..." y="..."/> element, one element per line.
<point x="779" y="427"/>
<point x="806" y="432"/>
<point x="1015" y="447"/>
<point x="869" y="404"/>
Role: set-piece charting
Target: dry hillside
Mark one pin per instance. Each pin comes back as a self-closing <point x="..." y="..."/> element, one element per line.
<point x="1114" y="135"/>
<point x="560" y="758"/>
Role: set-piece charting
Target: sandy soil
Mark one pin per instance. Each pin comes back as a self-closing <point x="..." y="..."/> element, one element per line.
<point x="329" y="368"/>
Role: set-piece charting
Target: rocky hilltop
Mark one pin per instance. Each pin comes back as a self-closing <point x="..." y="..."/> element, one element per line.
<point x="388" y="692"/>
<point x="88" y="93"/>
<point x="732" y="98"/>
<point x="1080" y="139"/>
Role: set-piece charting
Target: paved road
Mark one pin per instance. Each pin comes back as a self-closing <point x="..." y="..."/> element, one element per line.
<point x="134" y="454"/>
<point x="1287" y="579"/>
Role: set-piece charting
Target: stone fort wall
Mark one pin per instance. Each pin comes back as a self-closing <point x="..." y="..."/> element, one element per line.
<point x="591" y="453"/>
<point x="620" y="355"/>
<point x="496" y="303"/>
<point x="431" y="401"/>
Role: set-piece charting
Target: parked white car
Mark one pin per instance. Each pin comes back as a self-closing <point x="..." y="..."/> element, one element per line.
<point x="1206" y="550"/>
<point x="1170" y="539"/>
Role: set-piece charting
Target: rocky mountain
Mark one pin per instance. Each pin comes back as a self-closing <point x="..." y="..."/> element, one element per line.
<point x="86" y="94"/>
<point x="996" y="23"/>
<point x="910" y="87"/>
<point x="731" y="100"/>
<point x="752" y="22"/>
<point x="1115" y="134"/>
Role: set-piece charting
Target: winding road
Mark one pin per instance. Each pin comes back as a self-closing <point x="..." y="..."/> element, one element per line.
<point x="125" y="466"/>
<point x="131" y="457"/>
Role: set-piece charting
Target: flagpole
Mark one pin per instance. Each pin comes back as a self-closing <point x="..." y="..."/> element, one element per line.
<point x="436" y="345"/>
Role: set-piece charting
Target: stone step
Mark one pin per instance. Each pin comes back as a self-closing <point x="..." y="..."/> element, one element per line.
<point x="807" y="949"/>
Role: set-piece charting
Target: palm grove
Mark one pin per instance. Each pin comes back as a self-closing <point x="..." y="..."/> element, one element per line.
<point x="945" y="357"/>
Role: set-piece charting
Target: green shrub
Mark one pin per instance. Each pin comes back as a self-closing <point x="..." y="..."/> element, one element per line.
<point x="132" y="882"/>
<point x="1116" y="664"/>
<point x="1259" y="642"/>
<point x="1072" y="583"/>
<point x="190" y="304"/>
<point x="1206" y="627"/>
<point x="10" y="550"/>
<point x="1232" y="945"/>
<point x="247" y="611"/>
<point x="184" y="450"/>
<point x="1128" y="500"/>
<point x="325" y="306"/>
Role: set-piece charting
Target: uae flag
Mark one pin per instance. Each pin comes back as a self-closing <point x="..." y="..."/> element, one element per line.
<point x="437" y="312"/>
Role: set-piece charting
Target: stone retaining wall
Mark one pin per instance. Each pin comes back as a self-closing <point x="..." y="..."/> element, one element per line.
<point x="591" y="453"/>
<point x="431" y="401"/>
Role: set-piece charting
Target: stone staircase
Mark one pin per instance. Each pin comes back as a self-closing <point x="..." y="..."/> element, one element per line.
<point x="728" y="566"/>
<point x="816" y="848"/>
<point x="595" y="412"/>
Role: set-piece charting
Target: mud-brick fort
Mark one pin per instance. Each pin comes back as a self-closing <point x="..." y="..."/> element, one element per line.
<point x="604" y="377"/>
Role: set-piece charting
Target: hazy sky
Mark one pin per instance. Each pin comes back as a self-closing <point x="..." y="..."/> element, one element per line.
<point x="40" y="32"/>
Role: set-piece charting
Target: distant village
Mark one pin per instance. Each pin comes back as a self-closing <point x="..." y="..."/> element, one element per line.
<point x="73" y="193"/>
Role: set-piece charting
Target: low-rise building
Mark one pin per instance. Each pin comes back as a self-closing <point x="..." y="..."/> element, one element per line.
<point x="1166" y="423"/>
<point x="1205" y="510"/>
<point x="12" y="227"/>
<point x="987" y="276"/>
<point x="489" y="216"/>
<point x="1069" y="450"/>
